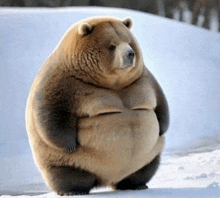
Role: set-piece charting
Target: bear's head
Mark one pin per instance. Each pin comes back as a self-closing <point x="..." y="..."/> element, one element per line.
<point x="102" y="51"/>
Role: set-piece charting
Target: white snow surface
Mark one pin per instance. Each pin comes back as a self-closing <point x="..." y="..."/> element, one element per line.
<point x="184" y="59"/>
<point x="191" y="176"/>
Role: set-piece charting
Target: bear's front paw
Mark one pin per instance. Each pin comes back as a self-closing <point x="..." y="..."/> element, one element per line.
<point x="71" y="148"/>
<point x="69" y="143"/>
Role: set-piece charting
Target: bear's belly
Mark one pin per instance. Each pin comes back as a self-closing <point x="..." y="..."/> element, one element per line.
<point x="117" y="144"/>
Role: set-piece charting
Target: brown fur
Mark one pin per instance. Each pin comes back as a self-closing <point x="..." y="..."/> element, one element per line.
<point x="85" y="111"/>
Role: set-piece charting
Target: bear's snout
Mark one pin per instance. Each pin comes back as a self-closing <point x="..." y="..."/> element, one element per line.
<point x="125" y="56"/>
<point x="129" y="58"/>
<point x="130" y="55"/>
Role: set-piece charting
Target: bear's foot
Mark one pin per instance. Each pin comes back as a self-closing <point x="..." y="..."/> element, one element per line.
<point x="138" y="180"/>
<point x="67" y="181"/>
<point x="129" y="186"/>
<point x="76" y="192"/>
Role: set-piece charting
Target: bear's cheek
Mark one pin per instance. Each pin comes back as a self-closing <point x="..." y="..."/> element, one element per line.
<point x="106" y="62"/>
<point x="117" y="61"/>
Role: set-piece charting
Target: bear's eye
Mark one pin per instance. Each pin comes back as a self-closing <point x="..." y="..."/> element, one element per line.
<point x="112" y="47"/>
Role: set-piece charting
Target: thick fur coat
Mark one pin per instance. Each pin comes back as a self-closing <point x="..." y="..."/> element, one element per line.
<point x="95" y="115"/>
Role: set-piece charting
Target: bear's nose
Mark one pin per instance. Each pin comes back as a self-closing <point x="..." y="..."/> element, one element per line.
<point x="130" y="54"/>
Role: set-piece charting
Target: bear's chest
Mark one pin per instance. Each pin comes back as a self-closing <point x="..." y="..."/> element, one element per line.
<point x="140" y="96"/>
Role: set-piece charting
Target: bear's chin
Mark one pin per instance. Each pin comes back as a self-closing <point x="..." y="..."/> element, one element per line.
<point x="128" y="64"/>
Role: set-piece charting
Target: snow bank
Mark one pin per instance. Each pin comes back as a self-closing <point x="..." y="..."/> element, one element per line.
<point x="184" y="59"/>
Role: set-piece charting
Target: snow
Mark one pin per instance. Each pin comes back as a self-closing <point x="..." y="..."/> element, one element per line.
<point x="193" y="175"/>
<point x="184" y="59"/>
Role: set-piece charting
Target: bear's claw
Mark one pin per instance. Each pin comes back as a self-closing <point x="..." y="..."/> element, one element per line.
<point x="71" y="149"/>
<point x="73" y="193"/>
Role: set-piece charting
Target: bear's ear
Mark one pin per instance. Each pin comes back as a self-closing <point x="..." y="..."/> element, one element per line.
<point x="127" y="22"/>
<point x="84" y="29"/>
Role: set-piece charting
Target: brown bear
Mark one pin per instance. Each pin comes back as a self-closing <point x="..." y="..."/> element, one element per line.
<point x="95" y="115"/>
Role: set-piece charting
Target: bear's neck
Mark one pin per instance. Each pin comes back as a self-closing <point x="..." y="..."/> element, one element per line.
<point x="116" y="81"/>
<point x="113" y="82"/>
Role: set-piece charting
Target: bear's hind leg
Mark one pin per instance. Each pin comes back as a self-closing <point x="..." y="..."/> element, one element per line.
<point x="138" y="180"/>
<point x="70" y="181"/>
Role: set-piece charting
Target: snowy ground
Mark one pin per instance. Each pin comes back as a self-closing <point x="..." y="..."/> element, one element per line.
<point x="193" y="175"/>
<point x="184" y="59"/>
